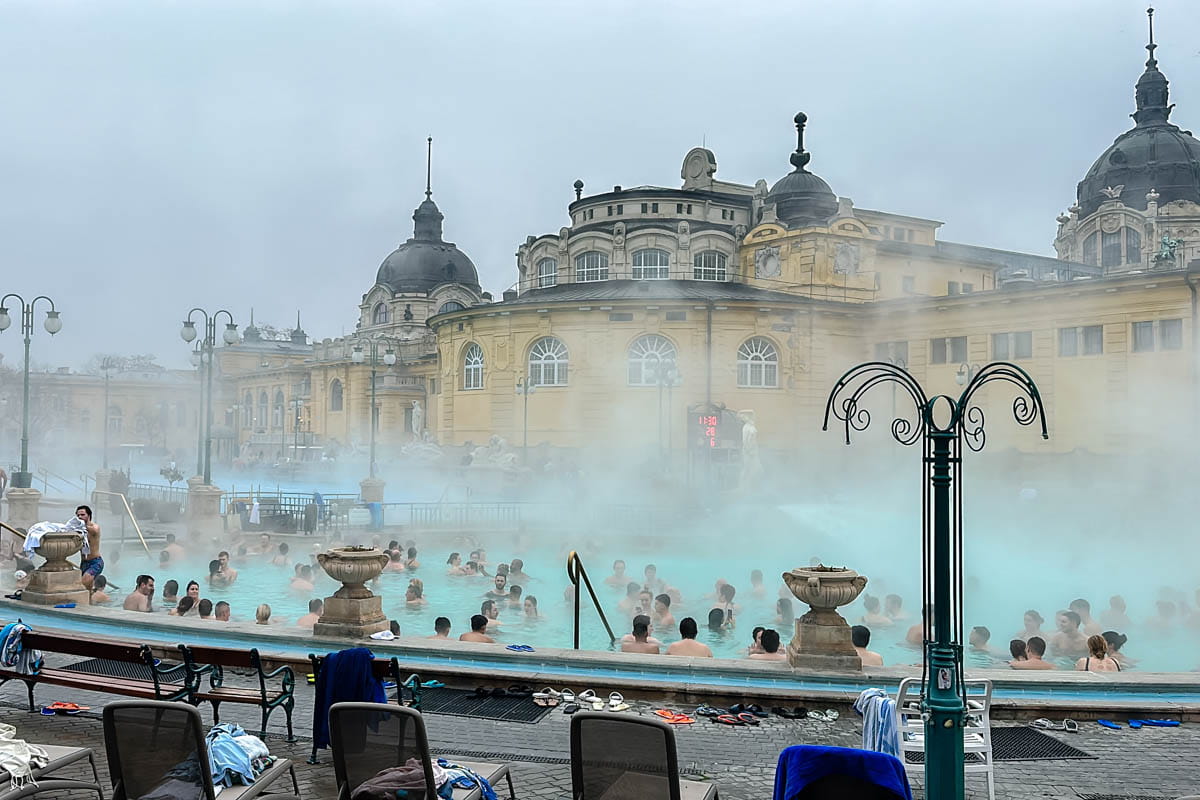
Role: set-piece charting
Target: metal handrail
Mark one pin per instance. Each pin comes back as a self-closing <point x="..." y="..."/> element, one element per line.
<point x="128" y="511"/>
<point x="575" y="572"/>
<point x="12" y="530"/>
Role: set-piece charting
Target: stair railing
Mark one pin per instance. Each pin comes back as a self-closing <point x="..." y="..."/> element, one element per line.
<point x="577" y="573"/>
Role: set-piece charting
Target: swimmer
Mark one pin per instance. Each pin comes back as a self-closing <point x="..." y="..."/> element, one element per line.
<point x="193" y="591"/>
<point x="874" y="617"/>
<point x="182" y="608"/>
<point x="411" y="562"/>
<point x="514" y="596"/>
<point x="755" y="640"/>
<point x="727" y="605"/>
<point x="645" y="602"/>
<point x="785" y="613"/>
<point x="414" y="594"/>
<point x="205" y="607"/>
<point x="516" y="572"/>
<point x="215" y="577"/>
<point x="479" y="624"/>
<point x="491" y="611"/>
<point x="173" y="547"/>
<point x="99" y="596"/>
<point x="470" y="569"/>
<point x="281" y="557"/>
<point x="618" y="577"/>
<point x="1033" y="626"/>
<point x="716" y="620"/>
<point x="860" y="637"/>
<point x="978" y="639"/>
<point x="770" y="645"/>
<point x="652" y="581"/>
<point x="662" y="612"/>
<point x="1098" y="658"/>
<point x="170" y="592"/>
<point x="1114" y="617"/>
<point x="531" y="607"/>
<point x="1035" y="648"/>
<point x="756" y="583"/>
<point x="316" y="607"/>
<point x="441" y="628"/>
<point x="264" y="545"/>
<point x="1068" y="642"/>
<point x="1115" y="642"/>
<point x="498" y="592"/>
<point x="262" y="615"/>
<point x="1083" y="608"/>
<point x="221" y="612"/>
<point x="228" y="573"/>
<point x="304" y="581"/>
<point x="1018" y="650"/>
<point x="892" y="608"/>
<point x="395" y="562"/>
<point x="139" y="598"/>
<point x="640" y="641"/>
<point x="687" y="644"/>
<point x="454" y="565"/>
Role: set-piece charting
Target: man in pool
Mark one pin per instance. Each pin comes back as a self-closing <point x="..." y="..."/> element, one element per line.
<point x="662" y="612"/>
<point x="640" y="640"/>
<point x="228" y="574"/>
<point x="205" y="607"/>
<point x="264" y="545"/>
<point x="770" y="645"/>
<point x="1068" y="642"/>
<point x="618" y="578"/>
<point x="1083" y="608"/>
<point x="498" y="592"/>
<point x="1035" y="648"/>
<point x="221" y="611"/>
<point x="516" y="572"/>
<point x="477" y="633"/>
<point x="860" y="636"/>
<point x="687" y="645"/>
<point x="441" y="628"/>
<point x="978" y="639"/>
<point x="139" y="599"/>
<point x="281" y="557"/>
<point x="93" y="565"/>
<point x="491" y="611"/>
<point x="316" y="607"/>
<point x="653" y="582"/>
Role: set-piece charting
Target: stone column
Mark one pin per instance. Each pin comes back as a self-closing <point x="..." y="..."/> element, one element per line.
<point x="57" y="580"/>
<point x="22" y="507"/>
<point x="204" y="507"/>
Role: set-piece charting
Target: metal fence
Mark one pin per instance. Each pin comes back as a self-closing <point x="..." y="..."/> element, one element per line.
<point x="148" y="491"/>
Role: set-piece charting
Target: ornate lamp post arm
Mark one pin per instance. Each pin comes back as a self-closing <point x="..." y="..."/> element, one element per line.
<point x="942" y="424"/>
<point x="23" y="479"/>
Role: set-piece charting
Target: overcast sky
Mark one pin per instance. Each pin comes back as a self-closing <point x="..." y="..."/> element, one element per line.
<point x="159" y="155"/>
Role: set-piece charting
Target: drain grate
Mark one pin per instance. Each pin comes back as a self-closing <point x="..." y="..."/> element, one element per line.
<point x="121" y="669"/>
<point x="1020" y="744"/>
<point x="458" y="703"/>
<point x="1123" y="796"/>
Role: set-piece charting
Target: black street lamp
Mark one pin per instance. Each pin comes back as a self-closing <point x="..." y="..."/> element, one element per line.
<point x="942" y="425"/>
<point x="198" y="361"/>
<point x="359" y="356"/>
<point x="23" y="479"/>
<point x="207" y="346"/>
<point x="106" y="366"/>
<point x="525" y="387"/>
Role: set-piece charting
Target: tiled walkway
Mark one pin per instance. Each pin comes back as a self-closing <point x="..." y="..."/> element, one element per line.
<point x="1150" y="762"/>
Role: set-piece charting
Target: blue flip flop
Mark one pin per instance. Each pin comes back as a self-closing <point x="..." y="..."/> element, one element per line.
<point x="433" y="685"/>
<point x="1136" y="724"/>
<point x="1161" y="723"/>
<point x="1108" y="724"/>
<point x="520" y="648"/>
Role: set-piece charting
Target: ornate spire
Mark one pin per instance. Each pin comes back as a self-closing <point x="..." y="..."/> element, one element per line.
<point x="800" y="158"/>
<point x="1151" y="91"/>
<point x="429" y="166"/>
<point x="427" y="219"/>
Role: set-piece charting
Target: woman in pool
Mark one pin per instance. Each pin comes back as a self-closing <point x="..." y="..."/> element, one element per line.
<point x="1033" y="627"/>
<point x="454" y="565"/>
<point x="1115" y="642"/>
<point x="1017" y="649"/>
<point x="1098" y="658"/>
<point x="262" y="615"/>
<point x="531" y="609"/>
<point x="215" y="576"/>
<point x="414" y="595"/>
<point x="193" y="591"/>
<point x="785" y="614"/>
<point x="185" y="605"/>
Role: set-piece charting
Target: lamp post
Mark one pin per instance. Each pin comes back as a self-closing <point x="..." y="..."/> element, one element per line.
<point x="206" y="347"/>
<point x="966" y="373"/>
<point x="371" y="355"/>
<point x="943" y="425"/>
<point x="106" y="366"/>
<point x="197" y="360"/>
<point x="23" y="479"/>
<point x="895" y="361"/>
<point x="525" y="387"/>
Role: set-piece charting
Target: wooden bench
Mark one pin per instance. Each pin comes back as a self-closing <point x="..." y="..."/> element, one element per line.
<point x="211" y="661"/>
<point x="156" y="685"/>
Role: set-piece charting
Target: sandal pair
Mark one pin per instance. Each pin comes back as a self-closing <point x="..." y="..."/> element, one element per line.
<point x="674" y="717"/>
<point x="744" y="718"/>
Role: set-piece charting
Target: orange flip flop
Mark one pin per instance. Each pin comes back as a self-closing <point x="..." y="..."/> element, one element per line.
<point x="680" y="719"/>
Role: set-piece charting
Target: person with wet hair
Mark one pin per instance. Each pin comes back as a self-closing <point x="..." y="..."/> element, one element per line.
<point x="726" y="604"/>
<point x="662" y="612"/>
<point x="454" y="565"/>
<point x="262" y="615"/>
<point x="618" y="577"/>
<point x="183" y="607"/>
<point x="479" y="624"/>
<point x="770" y="645"/>
<point x="516" y="572"/>
<point x="531" y="607"/>
<point x="629" y="604"/>
<point x="1035" y="648"/>
<point x="687" y="644"/>
<point x="470" y="569"/>
<point x="1098" y="658"/>
<point x="785" y="612"/>
<point x="1033" y="626"/>
<point x="978" y="639"/>
<point x="1068" y="642"/>
<point x="491" y="610"/>
<point x="874" y="616"/>
<point x="171" y="592"/>
<point x="395" y="562"/>
<point x="1114" y="617"/>
<point x="756" y="583"/>
<point x="640" y="641"/>
<point x="222" y="612"/>
<point x="498" y="590"/>
<point x="893" y="608"/>
<point x="205" y="607"/>
<point x="860" y="637"/>
<point x="411" y="562"/>
<point x="1018" y="650"/>
<point x="1083" y="608"/>
<point x="716" y="620"/>
<point x="755" y="640"/>
<point x="441" y="628"/>
<point x="652" y="581"/>
<point x="99" y="595"/>
<point x="514" y="596"/>
<point x="1115" y="642"/>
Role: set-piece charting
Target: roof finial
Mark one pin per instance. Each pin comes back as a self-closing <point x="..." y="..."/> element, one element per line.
<point x="1150" y="16"/>
<point x="800" y="158"/>
<point x="251" y="315"/>
<point x="297" y="319"/>
<point x="428" y="167"/>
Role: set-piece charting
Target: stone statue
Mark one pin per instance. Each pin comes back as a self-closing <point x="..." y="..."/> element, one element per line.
<point x="751" y="466"/>
<point x="408" y="314"/>
<point x="1167" y="248"/>
<point x="418" y="420"/>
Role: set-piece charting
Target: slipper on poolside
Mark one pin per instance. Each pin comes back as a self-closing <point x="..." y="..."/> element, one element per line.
<point x="1070" y="726"/>
<point x="520" y="691"/>
<point x="570" y="708"/>
<point x="568" y="696"/>
<point x="498" y="692"/>
<point x="831" y="715"/>
<point x="520" y="648"/>
<point x="780" y="711"/>
<point x="665" y="713"/>
<point x="481" y="692"/>
<point x="757" y="710"/>
<point x="709" y="711"/>
<point x="799" y="712"/>
<point x="1107" y="723"/>
<point x="1042" y="724"/>
<point x="681" y="719"/>
<point x="616" y="702"/>
<point x="61" y="706"/>
<point x="433" y="685"/>
<point x="545" y="702"/>
<point x="736" y="708"/>
<point x="728" y="719"/>
<point x="46" y="712"/>
<point x="586" y="696"/>
<point x="549" y="692"/>
<point x="748" y="718"/>
<point x="1162" y="723"/>
<point x="819" y="716"/>
<point x="1135" y="724"/>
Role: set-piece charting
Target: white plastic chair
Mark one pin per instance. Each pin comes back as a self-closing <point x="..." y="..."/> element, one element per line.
<point x="977" y="738"/>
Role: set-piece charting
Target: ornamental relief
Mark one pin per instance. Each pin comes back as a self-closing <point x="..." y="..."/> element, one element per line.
<point x="1110" y="223"/>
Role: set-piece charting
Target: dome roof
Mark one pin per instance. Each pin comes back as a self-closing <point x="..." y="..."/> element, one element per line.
<point x="425" y="260"/>
<point x="1153" y="155"/>
<point x="800" y="197"/>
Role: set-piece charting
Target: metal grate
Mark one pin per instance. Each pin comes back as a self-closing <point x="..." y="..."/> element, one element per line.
<point x="1123" y="796"/>
<point x="122" y="669"/>
<point x="1019" y="744"/>
<point x="458" y="703"/>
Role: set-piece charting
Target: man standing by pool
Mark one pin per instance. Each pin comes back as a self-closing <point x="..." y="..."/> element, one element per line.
<point x="93" y="565"/>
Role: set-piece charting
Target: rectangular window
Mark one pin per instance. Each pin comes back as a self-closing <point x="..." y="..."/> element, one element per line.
<point x="1133" y="246"/>
<point x="952" y="287"/>
<point x="1110" y="249"/>
<point x="1170" y="334"/>
<point x="620" y="208"/>
<point x="1143" y="337"/>
<point x="676" y="316"/>
<point x="1093" y="340"/>
<point x="908" y="234"/>
<point x="958" y="349"/>
<point x="689" y="206"/>
<point x="1089" y="249"/>
<point x="908" y="283"/>
<point x="967" y="288"/>
<point x="620" y="316"/>
<point x="733" y="216"/>
<point x="892" y="352"/>
<point x="610" y="211"/>
<point x="937" y="351"/>
<point x="433" y="386"/>
<point x="679" y="208"/>
<point x="654" y="208"/>
<point x="898" y="234"/>
<point x="645" y="207"/>
<point x="1022" y="344"/>
<point x="1068" y="342"/>
<point x="1000" y="346"/>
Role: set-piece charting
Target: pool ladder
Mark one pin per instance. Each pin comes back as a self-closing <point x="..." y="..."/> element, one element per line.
<point x="576" y="573"/>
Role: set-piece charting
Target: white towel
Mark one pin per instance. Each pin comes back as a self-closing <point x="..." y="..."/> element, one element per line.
<point x="878" y="711"/>
<point x="33" y="539"/>
<point x="254" y="517"/>
<point x="19" y="758"/>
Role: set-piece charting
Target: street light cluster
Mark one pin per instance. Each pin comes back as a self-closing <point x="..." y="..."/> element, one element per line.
<point x="23" y="478"/>
<point x="370" y="355"/>
<point x="203" y="357"/>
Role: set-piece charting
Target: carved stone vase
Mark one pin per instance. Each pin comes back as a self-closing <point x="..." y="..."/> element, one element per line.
<point x="822" y="639"/>
<point x="352" y="611"/>
<point x="57" y="580"/>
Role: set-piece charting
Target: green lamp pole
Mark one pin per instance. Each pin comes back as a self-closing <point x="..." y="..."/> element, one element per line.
<point x="942" y="425"/>
<point x="207" y="346"/>
<point x="371" y="355"/>
<point x="23" y="479"/>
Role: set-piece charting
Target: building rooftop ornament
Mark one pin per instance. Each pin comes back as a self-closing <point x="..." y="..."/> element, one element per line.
<point x="800" y="197"/>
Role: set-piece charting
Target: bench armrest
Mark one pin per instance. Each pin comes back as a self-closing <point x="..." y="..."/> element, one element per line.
<point x="289" y="677"/>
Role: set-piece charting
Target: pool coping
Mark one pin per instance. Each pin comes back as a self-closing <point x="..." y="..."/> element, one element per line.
<point x="649" y="676"/>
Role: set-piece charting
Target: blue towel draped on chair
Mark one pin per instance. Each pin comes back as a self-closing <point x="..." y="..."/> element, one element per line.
<point x="345" y="677"/>
<point x="802" y="765"/>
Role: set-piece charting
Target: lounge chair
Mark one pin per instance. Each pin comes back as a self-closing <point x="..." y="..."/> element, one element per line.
<point x="46" y="779"/>
<point x="977" y="736"/>
<point x="367" y="738"/>
<point x="809" y="772"/>
<point x="623" y="757"/>
<point x="157" y="751"/>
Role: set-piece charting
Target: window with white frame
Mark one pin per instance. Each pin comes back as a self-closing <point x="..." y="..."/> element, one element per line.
<point x="263" y="403"/>
<point x="1015" y="346"/>
<point x="893" y="353"/>
<point x="380" y="315"/>
<point x="649" y="356"/>
<point x="547" y="273"/>
<point x="950" y="350"/>
<point x="758" y="364"/>
<point x="277" y="412"/>
<point x="591" y="266"/>
<point x="548" y="362"/>
<point x="651" y="265"/>
<point x="247" y="410"/>
<point x="709" y="265"/>
<point x="1165" y="334"/>
<point x="1085" y="341"/>
<point x="473" y="367"/>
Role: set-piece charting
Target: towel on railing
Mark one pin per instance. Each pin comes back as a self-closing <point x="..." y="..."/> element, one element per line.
<point x="879" y="721"/>
<point x="13" y="652"/>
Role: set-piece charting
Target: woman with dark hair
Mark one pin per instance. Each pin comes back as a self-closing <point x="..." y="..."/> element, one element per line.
<point x="785" y="614"/>
<point x="1018" y="650"/>
<point x="185" y="605"/>
<point x="1115" y="642"/>
<point x="1098" y="658"/>
<point x="1033" y="626"/>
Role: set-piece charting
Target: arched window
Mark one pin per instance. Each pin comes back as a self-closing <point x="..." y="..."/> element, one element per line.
<point x="591" y="266"/>
<point x="335" y="395"/>
<point x="651" y="265"/>
<point x="548" y="362"/>
<point x="247" y="410"/>
<point x="1089" y="250"/>
<point x="451" y="305"/>
<point x="758" y="364"/>
<point x="709" y="266"/>
<point x="649" y="355"/>
<point x="380" y="315"/>
<point x="547" y="273"/>
<point x="277" y="412"/>
<point x="1110" y="249"/>
<point x="261" y="420"/>
<point x="1133" y="246"/>
<point x="473" y="367"/>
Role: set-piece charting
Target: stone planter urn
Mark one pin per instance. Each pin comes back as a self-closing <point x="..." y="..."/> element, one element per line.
<point x="57" y="580"/>
<point x="354" y="610"/>
<point x="822" y="639"/>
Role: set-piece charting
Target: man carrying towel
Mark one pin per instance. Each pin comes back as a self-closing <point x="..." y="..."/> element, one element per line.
<point x="93" y="564"/>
